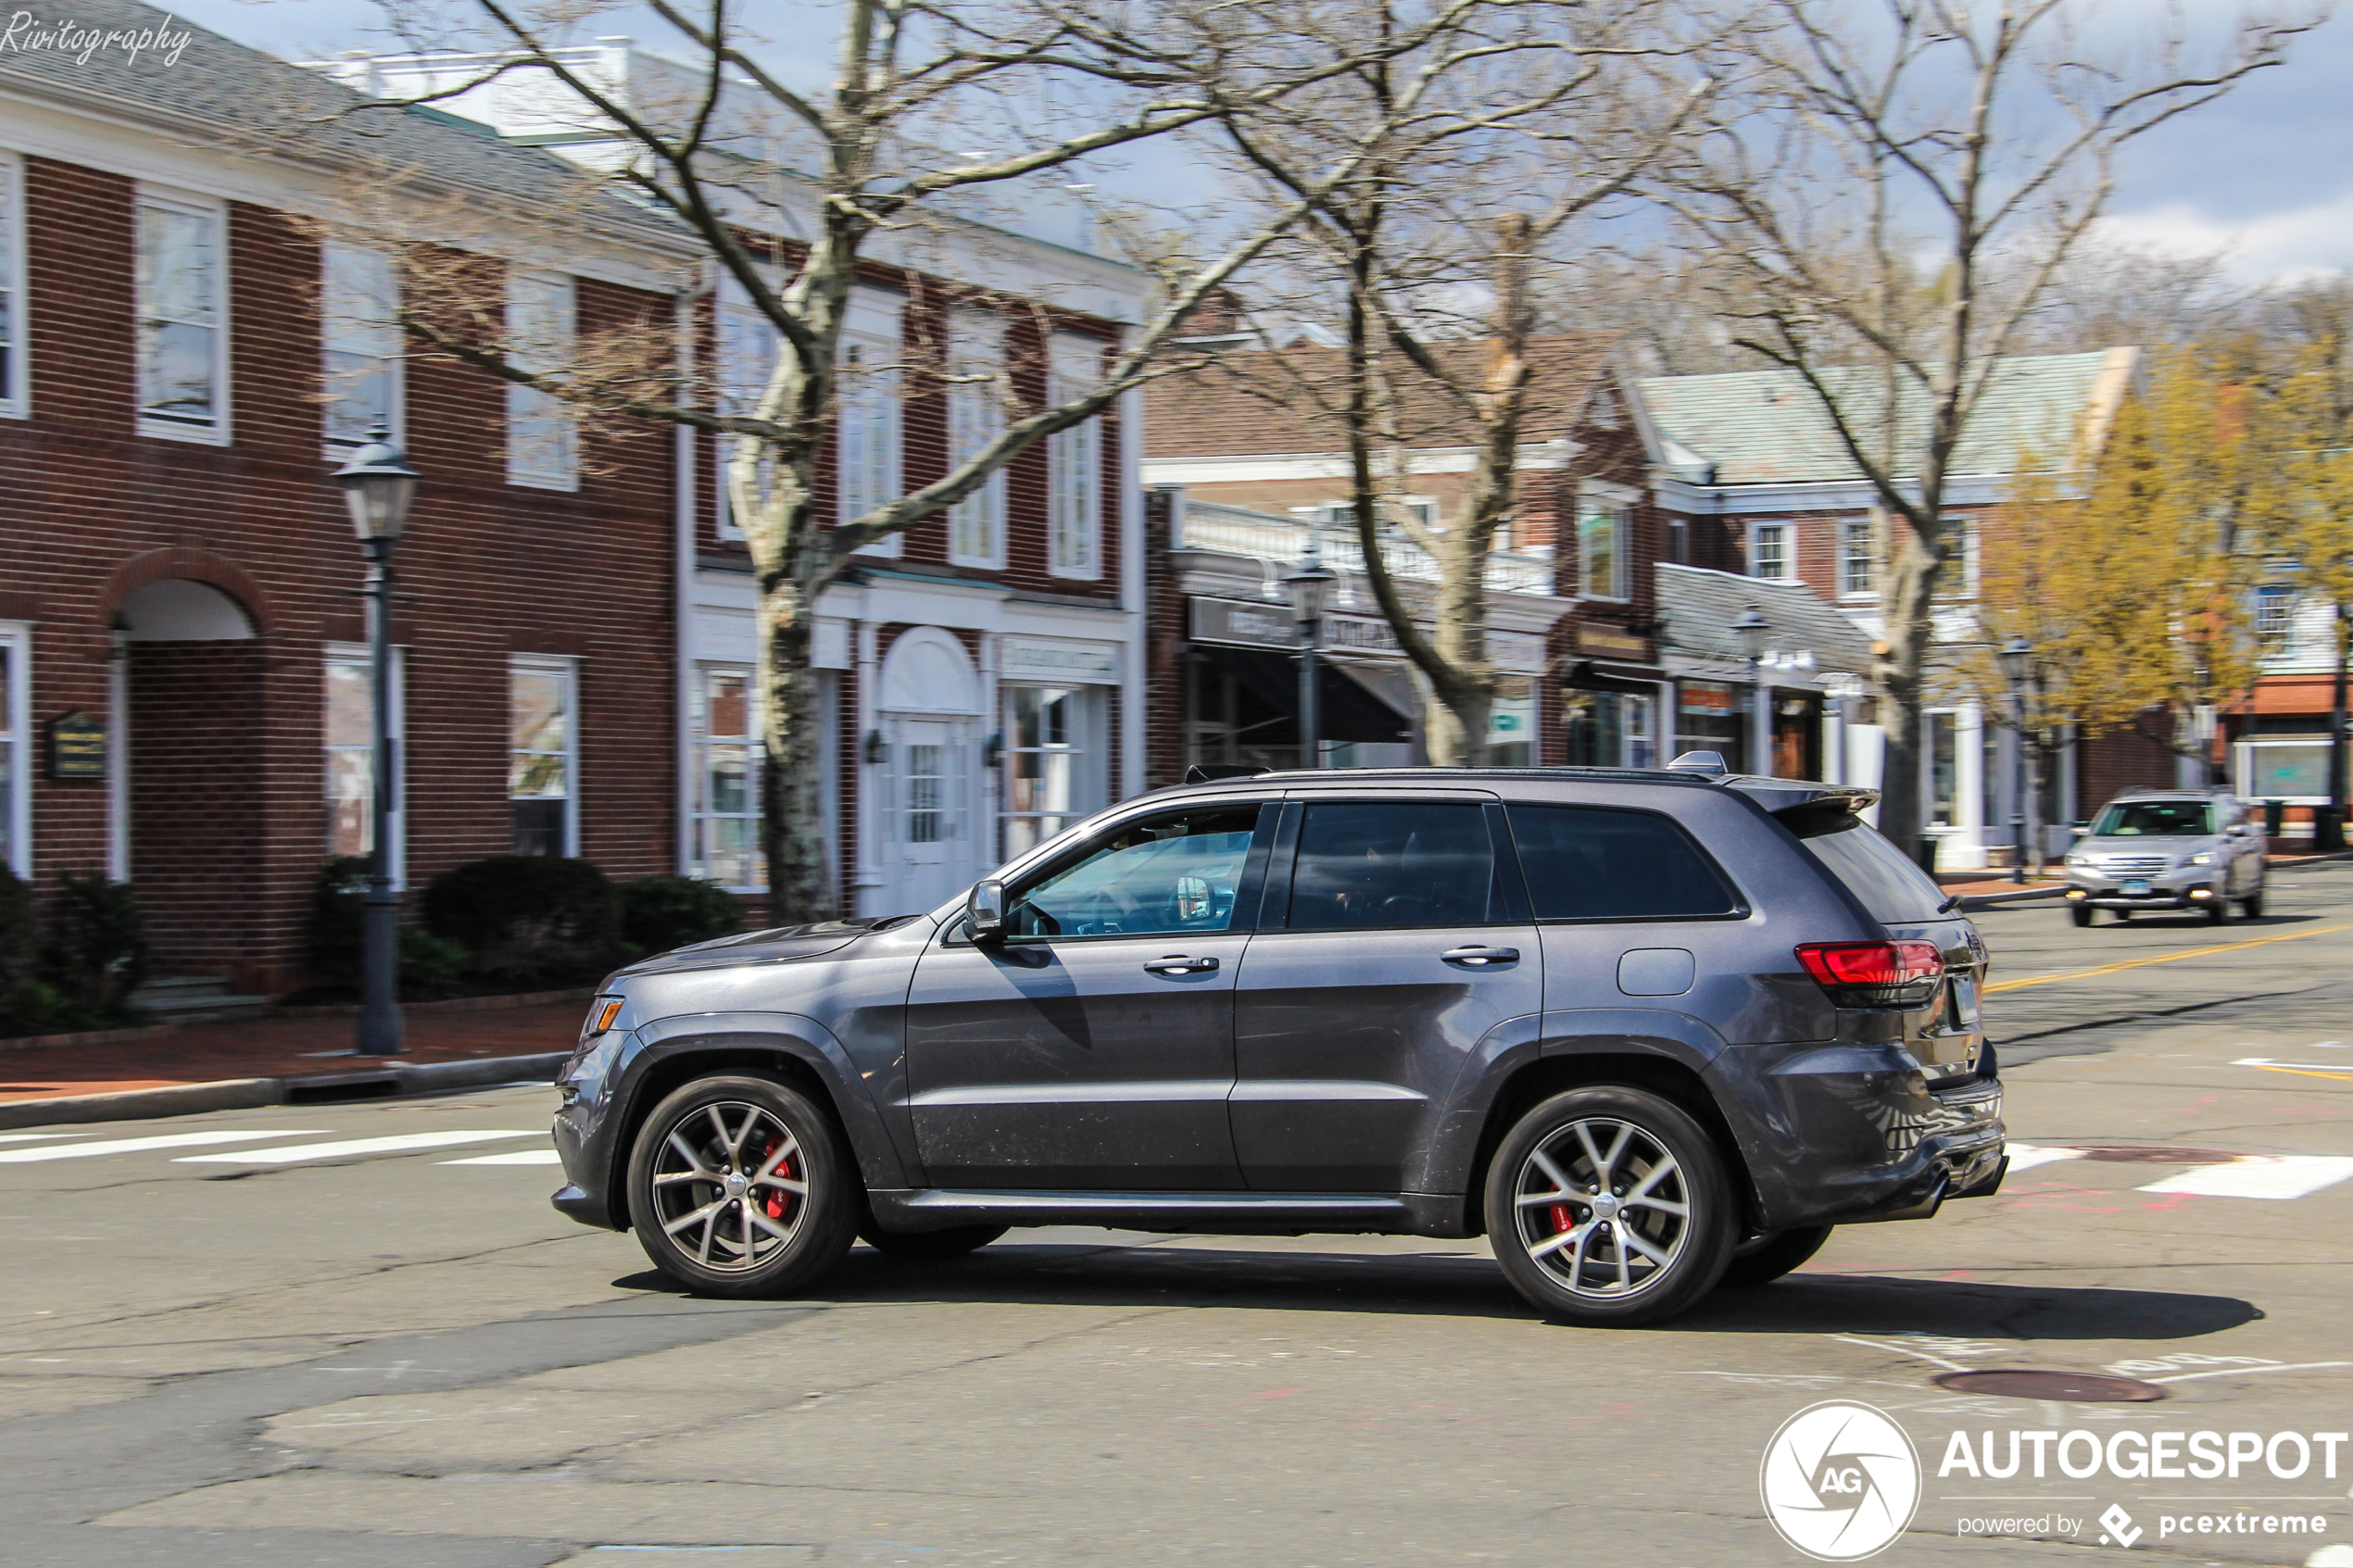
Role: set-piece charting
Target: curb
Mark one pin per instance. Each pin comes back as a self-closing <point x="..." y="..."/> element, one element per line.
<point x="393" y="1082"/>
<point x="2024" y="895"/>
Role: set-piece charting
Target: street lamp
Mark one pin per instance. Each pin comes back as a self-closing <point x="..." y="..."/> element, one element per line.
<point x="1751" y="629"/>
<point x="1310" y="583"/>
<point x="377" y="485"/>
<point x="2017" y="659"/>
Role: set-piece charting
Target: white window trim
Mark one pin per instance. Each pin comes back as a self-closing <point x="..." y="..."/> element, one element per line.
<point x="895" y="473"/>
<point x="1588" y="500"/>
<point x="1075" y="367"/>
<point x="1846" y="530"/>
<point x="16" y="721"/>
<point x="356" y="653"/>
<point x="222" y="432"/>
<point x="1789" y="548"/>
<point x="977" y="339"/>
<point x="396" y="366"/>
<point x="16" y="385"/>
<point x="699" y="738"/>
<point x="518" y="396"/>
<point x="567" y="668"/>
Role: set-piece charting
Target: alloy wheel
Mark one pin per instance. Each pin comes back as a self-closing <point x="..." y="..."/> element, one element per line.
<point x="1602" y="1208"/>
<point x="728" y="1185"/>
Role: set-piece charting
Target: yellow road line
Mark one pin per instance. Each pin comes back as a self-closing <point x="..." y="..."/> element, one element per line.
<point x="2161" y="957"/>
<point x="2306" y="1073"/>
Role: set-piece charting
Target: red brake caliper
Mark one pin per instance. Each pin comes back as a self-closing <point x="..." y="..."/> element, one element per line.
<point x="1562" y="1219"/>
<point x="775" y="1203"/>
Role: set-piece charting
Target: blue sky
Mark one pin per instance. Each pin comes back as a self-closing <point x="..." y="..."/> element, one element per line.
<point x="2264" y="174"/>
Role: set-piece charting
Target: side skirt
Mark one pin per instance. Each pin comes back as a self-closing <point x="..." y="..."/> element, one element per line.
<point x="1208" y="1214"/>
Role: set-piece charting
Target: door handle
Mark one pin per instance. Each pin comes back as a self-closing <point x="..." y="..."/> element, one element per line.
<point x="1479" y="957"/>
<point x="1177" y="964"/>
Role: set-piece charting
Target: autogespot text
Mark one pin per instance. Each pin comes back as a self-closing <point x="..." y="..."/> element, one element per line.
<point x="2142" y="1455"/>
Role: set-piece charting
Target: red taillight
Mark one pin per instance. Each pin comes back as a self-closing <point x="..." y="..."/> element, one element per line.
<point x="1876" y="964"/>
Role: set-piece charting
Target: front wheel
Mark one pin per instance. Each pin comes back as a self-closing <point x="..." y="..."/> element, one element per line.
<point x="2252" y="905"/>
<point x="2218" y="911"/>
<point x="741" y="1187"/>
<point x="2081" y="914"/>
<point x="1609" y="1207"/>
<point x="1762" y="1260"/>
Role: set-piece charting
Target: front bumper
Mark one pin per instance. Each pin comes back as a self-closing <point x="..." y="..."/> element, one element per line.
<point x="583" y="1132"/>
<point x="2185" y="890"/>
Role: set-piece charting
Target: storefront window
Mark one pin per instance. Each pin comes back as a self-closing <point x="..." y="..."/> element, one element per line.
<point x="727" y="784"/>
<point x="1047" y="782"/>
<point x="1593" y="726"/>
<point x="540" y="757"/>
<point x="1708" y="717"/>
<point x="1943" y="770"/>
<point x="1511" y="724"/>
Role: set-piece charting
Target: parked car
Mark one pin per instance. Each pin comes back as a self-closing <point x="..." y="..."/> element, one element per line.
<point x="1649" y="1032"/>
<point x="2168" y="850"/>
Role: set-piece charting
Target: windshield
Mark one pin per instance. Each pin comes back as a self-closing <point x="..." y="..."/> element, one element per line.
<point x="2155" y="819"/>
<point x="1895" y="891"/>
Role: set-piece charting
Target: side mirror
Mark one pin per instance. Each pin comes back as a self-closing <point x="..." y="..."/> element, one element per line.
<point x="984" y="910"/>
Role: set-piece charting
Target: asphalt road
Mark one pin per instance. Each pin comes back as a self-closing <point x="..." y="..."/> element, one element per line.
<point x="400" y="1355"/>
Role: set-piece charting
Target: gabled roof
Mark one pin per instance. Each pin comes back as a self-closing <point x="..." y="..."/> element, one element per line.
<point x="259" y="104"/>
<point x="1698" y="607"/>
<point x="1768" y="427"/>
<point x="1270" y="402"/>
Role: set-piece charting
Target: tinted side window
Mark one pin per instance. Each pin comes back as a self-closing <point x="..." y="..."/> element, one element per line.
<point x="1393" y="863"/>
<point x="1585" y="863"/>
<point x="1889" y="887"/>
<point x="1176" y="871"/>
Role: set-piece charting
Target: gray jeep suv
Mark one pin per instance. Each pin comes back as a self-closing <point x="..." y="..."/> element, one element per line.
<point x="1650" y="1032"/>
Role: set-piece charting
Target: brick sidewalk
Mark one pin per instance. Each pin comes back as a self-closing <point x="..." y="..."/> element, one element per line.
<point x="278" y="1048"/>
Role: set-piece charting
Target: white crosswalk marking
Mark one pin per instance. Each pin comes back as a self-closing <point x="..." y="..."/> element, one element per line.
<point x="394" y="1144"/>
<point x="520" y="1156"/>
<point x="2259" y="1175"/>
<point x="133" y="1146"/>
<point x="35" y="1138"/>
<point x="2026" y="1156"/>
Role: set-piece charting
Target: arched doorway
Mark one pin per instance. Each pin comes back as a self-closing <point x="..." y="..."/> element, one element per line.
<point x="187" y="807"/>
<point x="929" y="700"/>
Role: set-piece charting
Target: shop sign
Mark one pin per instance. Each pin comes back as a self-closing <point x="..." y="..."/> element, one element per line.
<point x="1238" y="620"/>
<point x="76" y="746"/>
<point x="1706" y="697"/>
<point x="1603" y="639"/>
<point x="1270" y="626"/>
<point x="1025" y="659"/>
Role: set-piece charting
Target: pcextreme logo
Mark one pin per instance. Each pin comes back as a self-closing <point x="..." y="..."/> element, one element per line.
<point x="1840" y="1481"/>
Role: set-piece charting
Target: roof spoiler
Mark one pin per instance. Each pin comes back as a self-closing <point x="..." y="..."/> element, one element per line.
<point x="1833" y="811"/>
<point x="1211" y="772"/>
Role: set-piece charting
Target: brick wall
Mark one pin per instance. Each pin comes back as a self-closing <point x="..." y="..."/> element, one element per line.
<point x="92" y="510"/>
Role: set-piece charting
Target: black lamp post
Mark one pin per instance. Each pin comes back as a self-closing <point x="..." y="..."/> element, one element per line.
<point x="1310" y="584"/>
<point x="2017" y="667"/>
<point x="1751" y="629"/>
<point x="377" y="485"/>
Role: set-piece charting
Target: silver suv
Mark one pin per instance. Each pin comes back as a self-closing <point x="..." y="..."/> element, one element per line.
<point x="2168" y="850"/>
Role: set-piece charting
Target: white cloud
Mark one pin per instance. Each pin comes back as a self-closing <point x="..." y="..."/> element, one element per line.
<point x="2280" y="244"/>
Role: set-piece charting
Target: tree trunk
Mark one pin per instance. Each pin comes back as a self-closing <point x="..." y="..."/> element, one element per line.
<point x="790" y="785"/>
<point x="1910" y="628"/>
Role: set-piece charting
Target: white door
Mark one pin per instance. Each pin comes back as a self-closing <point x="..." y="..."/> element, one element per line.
<point x="931" y="837"/>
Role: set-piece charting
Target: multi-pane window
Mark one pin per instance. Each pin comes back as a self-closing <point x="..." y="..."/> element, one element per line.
<point x="542" y="756"/>
<point x="1075" y="468"/>
<point x="1045" y="759"/>
<point x="924" y="782"/>
<point x="868" y="402"/>
<point x="748" y="345"/>
<point x="542" y="437"/>
<point x="184" y="309"/>
<point x="359" y="304"/>
<point x="349" y="738"/>
<point x="2275" y="616"/>
<point x="975" y="416"/>
<point x="1857" y="559"/>
<point x="1768" y="549"/>
<point x="16" y="782"/>
<point x="1603" y="536"/>
<point x="12" y="347"/>
<point x="726" y="783"/>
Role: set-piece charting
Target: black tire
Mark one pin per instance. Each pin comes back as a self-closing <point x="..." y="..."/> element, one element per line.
<point x="1675" y="1259"/>
<point x="2252" y="905"/>
<point x="701" y="1233"/>
<point x="2218" y="910"/>
<point x="2125" y="916"/>
<point x="1764" y="1259"/>
<point x="930" y="1246"/>
<point x="2081" y="914"/>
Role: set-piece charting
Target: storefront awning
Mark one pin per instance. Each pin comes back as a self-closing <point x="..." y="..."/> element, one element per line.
<point x="1350" y="712"/>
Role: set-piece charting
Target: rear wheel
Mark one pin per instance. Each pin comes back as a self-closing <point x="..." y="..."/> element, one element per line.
<point x="2081" y="914"/>
<point x="741" y="1187"/>
<point x="2253" y="904"/>
<point x="2218" y="910"/>
<point x="1764" y="1259"/>
<point x="1609" y="1207"/>
<point x="930" y="1246"/>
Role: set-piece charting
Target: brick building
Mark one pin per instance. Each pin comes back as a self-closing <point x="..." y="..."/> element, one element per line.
<point x="182" y="363"/>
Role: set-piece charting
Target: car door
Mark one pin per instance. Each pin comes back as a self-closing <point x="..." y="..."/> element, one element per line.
<point x="1393" y="937"/>
<point x="1092" y="1048"/>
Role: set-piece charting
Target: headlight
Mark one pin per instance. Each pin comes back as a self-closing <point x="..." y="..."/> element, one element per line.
<point x="2079" y="860"/>
<point x="2200" y="858"/>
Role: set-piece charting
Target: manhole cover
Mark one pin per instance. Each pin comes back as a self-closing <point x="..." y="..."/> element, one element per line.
<point x="2122" y="1154"/>
<point x="2020" y="1383"/>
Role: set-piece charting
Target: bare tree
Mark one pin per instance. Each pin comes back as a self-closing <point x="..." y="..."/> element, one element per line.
<point x="1469" y="156"/>
<point x="1902" y="189"/>
<point x="931" y="113"/>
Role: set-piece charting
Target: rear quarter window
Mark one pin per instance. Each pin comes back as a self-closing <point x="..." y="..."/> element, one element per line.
<point x="1895" y="891"/>
<point x="1585" y="863"/>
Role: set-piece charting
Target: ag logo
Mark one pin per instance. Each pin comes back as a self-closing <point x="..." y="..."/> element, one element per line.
<point x="1840" y="1481"/>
